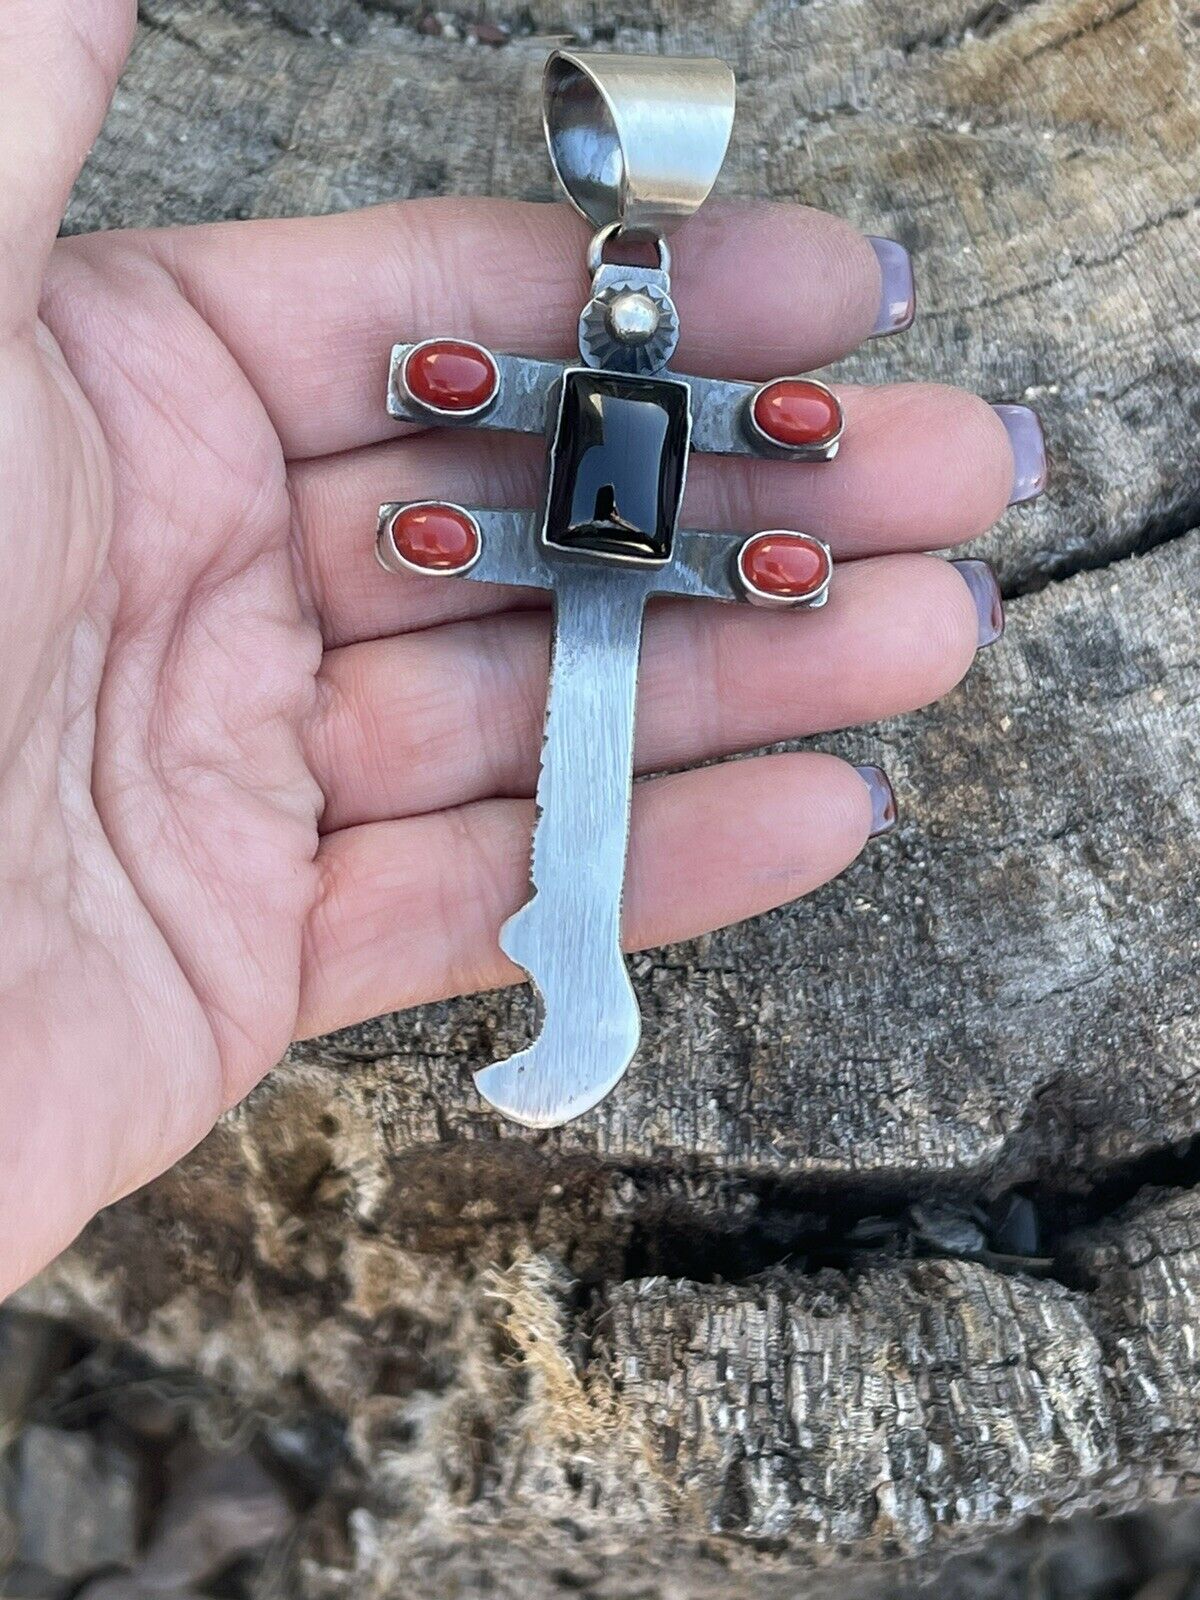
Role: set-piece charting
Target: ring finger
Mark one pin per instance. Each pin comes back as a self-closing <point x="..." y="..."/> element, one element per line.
<point x="454" y="714"/>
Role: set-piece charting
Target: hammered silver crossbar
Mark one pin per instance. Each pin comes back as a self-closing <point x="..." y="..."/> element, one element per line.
<point x="637" y="143"/>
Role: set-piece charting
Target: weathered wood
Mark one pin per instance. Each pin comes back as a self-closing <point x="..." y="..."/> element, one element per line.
<point x="789" y="1417"/>
<point x="1002" y="993"/>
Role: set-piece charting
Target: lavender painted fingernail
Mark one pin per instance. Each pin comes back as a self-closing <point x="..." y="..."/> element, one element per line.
<point x="1024" y="430"/>
<point x="989" y="603"/>
<point x="898" y="301"/>
<point x="883" y="800"/>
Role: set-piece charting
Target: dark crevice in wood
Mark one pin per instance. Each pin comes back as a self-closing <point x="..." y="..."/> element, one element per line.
<point x="988" y="19"/>
<point x="1177" y="523"/>
<point x="168" y="28"/>
<point x="282" y="18"/>
<point x="1093" y="27"/>
<point x="801" y="1229"/>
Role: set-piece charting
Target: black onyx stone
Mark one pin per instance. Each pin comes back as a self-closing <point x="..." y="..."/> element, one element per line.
<point x="617" y="466"/>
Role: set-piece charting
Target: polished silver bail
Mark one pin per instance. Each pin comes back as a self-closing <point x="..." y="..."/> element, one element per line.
<point x="637" y="141"/>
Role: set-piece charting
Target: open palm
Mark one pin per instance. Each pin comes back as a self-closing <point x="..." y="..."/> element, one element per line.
<point x="251" y="787"/>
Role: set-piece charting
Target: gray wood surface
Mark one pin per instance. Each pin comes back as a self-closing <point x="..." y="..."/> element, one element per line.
<point x="560" y="1352"/>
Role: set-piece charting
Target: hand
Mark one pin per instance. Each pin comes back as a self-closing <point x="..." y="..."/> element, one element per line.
<point x="251" y="787"/>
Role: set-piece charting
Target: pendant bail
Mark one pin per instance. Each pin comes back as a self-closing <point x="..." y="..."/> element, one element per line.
<point x="637" y="141"/>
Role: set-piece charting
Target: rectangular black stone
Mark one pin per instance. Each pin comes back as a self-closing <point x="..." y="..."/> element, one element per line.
<point x="617" y="465"/>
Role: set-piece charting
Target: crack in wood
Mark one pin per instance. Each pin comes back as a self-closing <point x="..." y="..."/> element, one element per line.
<point x="1154" y="534"/>
<point x="806" y="1229"/>
<point x="989" y="19"/>
<point x="1093" y="27"/>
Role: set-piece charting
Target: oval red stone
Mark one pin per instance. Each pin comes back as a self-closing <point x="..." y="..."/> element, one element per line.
<point x="451" y="375"/>
<point x="436" y="538"/>
<point x="786" y="566"/>
<point x="796" y="412"/>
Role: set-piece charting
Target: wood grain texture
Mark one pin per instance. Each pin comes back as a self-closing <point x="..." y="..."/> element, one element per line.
<point x="1002" y="993"/>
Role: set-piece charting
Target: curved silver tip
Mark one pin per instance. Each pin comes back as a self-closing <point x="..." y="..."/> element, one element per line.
<point x="580" y="1054"/>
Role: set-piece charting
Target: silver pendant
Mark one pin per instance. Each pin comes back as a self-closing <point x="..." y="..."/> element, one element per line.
<point x="637" y="143"/>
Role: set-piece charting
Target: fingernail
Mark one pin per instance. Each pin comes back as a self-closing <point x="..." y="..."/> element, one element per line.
<point x="989" y="603"/>
<point x="1024" y="430"/>
<point x="898" y="302"/>
<point x="883" y="800"/>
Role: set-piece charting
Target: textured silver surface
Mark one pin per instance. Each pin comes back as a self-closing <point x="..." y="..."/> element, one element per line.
<point x="599" y="344"/>
<point x="567" y="936"/>
<point x="521" y="406"/>
<point x="703" y="565"/>
<point x="526" y="395"/>
<point x="510" y="551"/>
<point x="721" y="423"/>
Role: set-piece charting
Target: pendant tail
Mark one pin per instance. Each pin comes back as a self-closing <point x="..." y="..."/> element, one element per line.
<point x="567" y="936"/>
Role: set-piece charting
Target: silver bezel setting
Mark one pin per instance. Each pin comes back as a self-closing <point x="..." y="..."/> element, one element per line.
<point x="778" y="602"/>
<point x="388" y="554"/>
<point x="561" y="552"/>
<point x="602" y="350"/>
<point x="447" y="414"/>
<point x="766" y="444"/>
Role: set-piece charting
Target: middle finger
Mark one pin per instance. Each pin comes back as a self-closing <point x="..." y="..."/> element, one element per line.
<point x="454" y="714"/>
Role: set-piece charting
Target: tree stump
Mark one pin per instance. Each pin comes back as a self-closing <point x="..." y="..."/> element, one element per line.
<point x="890" y="1238"/>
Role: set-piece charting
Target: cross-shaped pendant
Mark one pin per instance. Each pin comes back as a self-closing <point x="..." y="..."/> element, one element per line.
<point x="637" y="143"/>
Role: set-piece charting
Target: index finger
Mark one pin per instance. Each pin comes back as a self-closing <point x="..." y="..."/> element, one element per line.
<point x="59" y="60"/>
<point x="311" y="307"/>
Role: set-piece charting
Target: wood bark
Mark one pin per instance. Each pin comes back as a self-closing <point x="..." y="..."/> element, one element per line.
<point x="667" y="1342"/>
